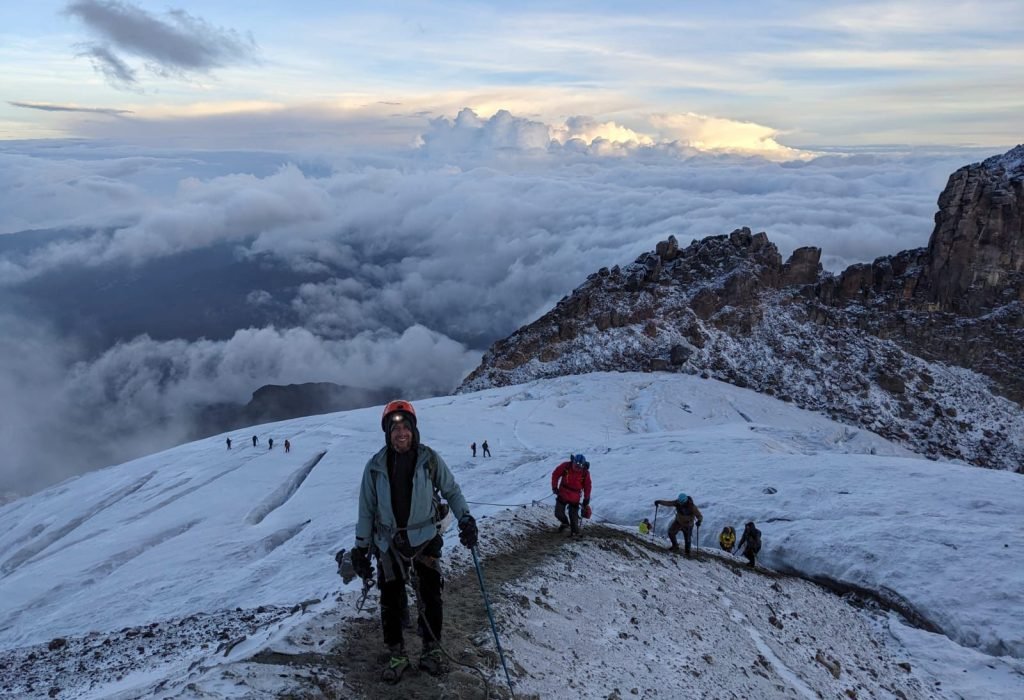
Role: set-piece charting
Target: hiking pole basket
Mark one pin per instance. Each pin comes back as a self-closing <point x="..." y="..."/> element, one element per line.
<point x="490" y="617"/>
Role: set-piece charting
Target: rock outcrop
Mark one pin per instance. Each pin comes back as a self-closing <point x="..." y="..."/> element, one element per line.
<point x="925" y="346"/>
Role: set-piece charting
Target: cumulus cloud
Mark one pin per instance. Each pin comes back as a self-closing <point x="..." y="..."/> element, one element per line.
<point x="159" y="378"/>
<point x="672" y="134"/>
<point x="716" y="134"/>
<point x="469" y="133"/>
<point x="588" y="130"/>
<point x="353" y="126"/>
<point x="175" y="44"/>
<point x="140" y="396"/>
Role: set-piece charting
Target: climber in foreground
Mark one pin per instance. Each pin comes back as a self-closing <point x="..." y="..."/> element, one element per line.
<point x="687" y="513"/>
<point x="399" y="522"/>
<point x="570" y="482"/>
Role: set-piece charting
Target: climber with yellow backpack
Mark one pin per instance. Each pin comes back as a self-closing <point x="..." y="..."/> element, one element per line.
<point x="727" y="540"/>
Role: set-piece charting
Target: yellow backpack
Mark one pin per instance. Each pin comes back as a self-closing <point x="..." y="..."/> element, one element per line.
<point x="727" y="540"/>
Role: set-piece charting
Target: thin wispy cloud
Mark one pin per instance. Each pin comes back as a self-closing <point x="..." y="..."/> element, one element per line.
<point x="910" y="17"/>
<point x="792" y="66"/>
<point x="176" y="43"/>
<point x="70" y="108"/>
<point x="109" y="65"/>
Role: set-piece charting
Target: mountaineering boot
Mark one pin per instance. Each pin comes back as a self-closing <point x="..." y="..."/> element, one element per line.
<point x="674" y="548"/>
<point x="396" y="664"/>
<point x="432" y="660"/>
<point x="562" y="527"/>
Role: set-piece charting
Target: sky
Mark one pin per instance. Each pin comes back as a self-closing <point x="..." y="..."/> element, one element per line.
<point x="739" y="74"/>
<point x="455" y="167"/>
<point x="201" y="529"/>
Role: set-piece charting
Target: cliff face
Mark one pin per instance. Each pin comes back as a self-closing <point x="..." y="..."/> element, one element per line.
<point x="975" y="260"/>
<point x="925" y="346"/>
<point x="961" y="299"/>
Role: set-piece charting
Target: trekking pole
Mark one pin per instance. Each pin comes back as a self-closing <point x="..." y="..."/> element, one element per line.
<point x="490" y="616"/>
<point x="698" y="539"/>
<point x="654" y="528"/>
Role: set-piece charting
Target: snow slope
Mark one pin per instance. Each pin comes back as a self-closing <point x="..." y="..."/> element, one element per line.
<point x="200" y="529"/>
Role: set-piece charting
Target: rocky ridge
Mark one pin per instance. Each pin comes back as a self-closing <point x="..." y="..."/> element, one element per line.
<point x="924" y="346"/>
<point x="274" y="402"/>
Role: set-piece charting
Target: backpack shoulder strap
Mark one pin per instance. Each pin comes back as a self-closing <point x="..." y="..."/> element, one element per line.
<point x="431" y="465"/>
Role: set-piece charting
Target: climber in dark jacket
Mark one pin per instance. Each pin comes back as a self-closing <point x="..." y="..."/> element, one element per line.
<point x="752" y="539"/>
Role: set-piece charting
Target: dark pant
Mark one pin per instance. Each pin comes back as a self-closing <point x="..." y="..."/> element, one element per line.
<point x="393" y="598"/>
<point x="574" y="514"/>
<point x="687" y="530"/>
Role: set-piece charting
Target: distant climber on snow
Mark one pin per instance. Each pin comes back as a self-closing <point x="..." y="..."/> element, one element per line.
<point x="486" y="449"/>
<point x="752" y="539"/>
<point x="727" y="540"/>
<point x="229" y="443"/>
<point x="473" y="448"/>
<point x="399" y="523"/>
<point x="570" y="482"/>
<point x="687" y="513"/>
<point x="254" y="440"/>
<point x="270" y="444"/>
<point x="287" y="446"/>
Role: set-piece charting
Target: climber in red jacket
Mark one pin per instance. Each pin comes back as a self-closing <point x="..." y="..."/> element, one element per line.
<point x="569" y="482"/>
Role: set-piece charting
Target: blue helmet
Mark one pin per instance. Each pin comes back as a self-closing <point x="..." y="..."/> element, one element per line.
<point x="682" y="498"/>
<point x="579" y="459"/>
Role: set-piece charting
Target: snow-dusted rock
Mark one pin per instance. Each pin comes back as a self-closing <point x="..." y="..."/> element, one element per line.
<point x="924" y="346"/>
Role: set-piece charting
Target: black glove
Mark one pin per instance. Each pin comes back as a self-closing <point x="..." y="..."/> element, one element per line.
<point x="554" y="491"/>
<point x="586" y="502"/>
<point x="468" y="532"/>
<point x="361" y="563"/>
<point x="345" y="569"/>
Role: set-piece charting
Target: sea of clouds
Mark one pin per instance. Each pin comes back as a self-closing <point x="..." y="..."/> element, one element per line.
<point x="422" y="254"/>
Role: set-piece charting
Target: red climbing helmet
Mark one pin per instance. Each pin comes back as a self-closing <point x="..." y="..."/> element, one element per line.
<point x="395" y="411"/>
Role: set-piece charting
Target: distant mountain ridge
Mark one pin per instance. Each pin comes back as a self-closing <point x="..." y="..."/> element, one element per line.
<point x="924" y="346"/>
<point x="274" y="402"/>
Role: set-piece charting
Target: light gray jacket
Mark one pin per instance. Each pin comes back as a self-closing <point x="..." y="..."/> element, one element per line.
<point x="377" y="520"/>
